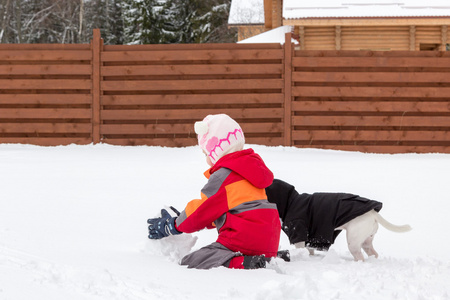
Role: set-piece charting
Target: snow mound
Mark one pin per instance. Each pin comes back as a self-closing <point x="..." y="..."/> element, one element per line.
<point x="174" y="247"/>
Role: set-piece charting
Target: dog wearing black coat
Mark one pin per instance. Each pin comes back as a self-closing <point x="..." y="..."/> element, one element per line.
<point x="315" y="220"/>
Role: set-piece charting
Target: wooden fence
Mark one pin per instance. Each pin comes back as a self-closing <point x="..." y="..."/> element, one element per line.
<point x="45" y="94"/>
<point x="371" y="101"/>
<point x="152" y="94"/>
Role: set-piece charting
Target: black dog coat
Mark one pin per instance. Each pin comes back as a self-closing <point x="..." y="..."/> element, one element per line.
<point x="312" y="218"/>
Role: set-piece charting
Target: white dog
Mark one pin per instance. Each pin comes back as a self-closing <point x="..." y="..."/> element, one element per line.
<point x="360" y="233"/>
<point x="314" y="220"/>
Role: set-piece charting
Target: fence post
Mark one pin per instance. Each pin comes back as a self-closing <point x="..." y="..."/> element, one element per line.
<point x="96" y="46"/>
<point x="287" y="89"/>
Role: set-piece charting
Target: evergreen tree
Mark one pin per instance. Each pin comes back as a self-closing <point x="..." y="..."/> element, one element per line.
<point x="114" y="24"/>
<point x="120" y="21"/>
<point x="142" y="21"/>
<point x="107" y="16"/>
<point x="217" y="30"/>
<point x="177" y="17"/>
<point x="197" y="21"/>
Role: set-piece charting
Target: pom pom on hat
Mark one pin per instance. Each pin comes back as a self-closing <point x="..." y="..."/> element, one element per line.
<point x="219" y="135"/>
<point x="201" y="128"/>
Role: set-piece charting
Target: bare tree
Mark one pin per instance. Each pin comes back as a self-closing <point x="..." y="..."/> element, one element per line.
<point x="5" y="14"/>
<point x="18" y="13"/>
<point x="80" y="30"/>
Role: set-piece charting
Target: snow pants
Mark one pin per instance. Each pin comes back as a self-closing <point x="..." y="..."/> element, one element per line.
<point x="211" y="256"/>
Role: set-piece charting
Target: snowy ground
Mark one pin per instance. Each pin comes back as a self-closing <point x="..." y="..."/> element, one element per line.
<point x="73" y="226"/>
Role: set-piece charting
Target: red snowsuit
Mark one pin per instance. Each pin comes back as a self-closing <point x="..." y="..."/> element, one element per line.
<point x="235" y="202"/>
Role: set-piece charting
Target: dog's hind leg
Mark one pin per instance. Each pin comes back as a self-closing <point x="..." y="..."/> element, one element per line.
<point x="358" y="231"/>
<point x="368" y="247"/>
<point x="368" y="243"/>
<point x="354" y="245"/>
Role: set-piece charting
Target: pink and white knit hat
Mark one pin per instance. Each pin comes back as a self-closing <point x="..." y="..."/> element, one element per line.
<point x="219" y="135"/>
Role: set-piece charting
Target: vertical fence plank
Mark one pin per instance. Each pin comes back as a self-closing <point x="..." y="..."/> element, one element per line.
<point x="287" y="89"/>
<point x="96" y="46"/>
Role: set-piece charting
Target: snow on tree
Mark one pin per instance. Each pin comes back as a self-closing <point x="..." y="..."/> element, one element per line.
<point x="120" y="22"/>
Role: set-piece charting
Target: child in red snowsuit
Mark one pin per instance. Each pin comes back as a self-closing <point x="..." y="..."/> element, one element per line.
<point x="233" y="201"/>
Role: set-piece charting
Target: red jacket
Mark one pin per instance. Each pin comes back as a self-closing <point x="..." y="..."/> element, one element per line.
<point x="235" y="202"/>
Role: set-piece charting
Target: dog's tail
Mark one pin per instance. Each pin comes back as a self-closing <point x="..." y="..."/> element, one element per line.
<point x="390" y="226"/>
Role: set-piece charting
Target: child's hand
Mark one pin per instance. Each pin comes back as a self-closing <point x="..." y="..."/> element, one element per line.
<point x="162" y="227"/>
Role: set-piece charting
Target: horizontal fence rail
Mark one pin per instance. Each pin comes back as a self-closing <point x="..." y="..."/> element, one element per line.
<point x="385" y="102"/>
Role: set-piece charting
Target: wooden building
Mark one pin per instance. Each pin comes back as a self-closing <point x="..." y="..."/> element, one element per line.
<point x="379" y="25"/>
<point x="248" y="17"/>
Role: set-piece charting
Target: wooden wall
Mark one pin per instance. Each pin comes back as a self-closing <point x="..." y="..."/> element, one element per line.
<point x="369" y="101"/>
<point x="375" y="38"/>
<point x="45" y="94"/>
<point x="372" y="101"/>
<point x="428" y="35"/>
<point x="153" y="94"/>
<point x="323" y="37"/>
<point x="245" y="32"/>
<point x="372" y="38"/>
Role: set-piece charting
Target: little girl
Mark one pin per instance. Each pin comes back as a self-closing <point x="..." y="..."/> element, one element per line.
<point x="233" y="201"/>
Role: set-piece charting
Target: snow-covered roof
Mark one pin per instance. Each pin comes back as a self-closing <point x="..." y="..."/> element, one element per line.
<point x="252" y="11"/>
<point x="276" y="35"/>
<point x="246" y="12"/>
<point x="294" y="9"/>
